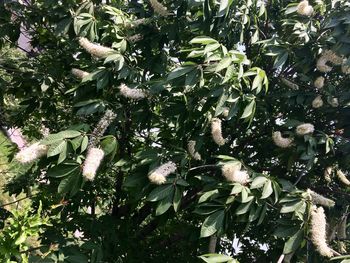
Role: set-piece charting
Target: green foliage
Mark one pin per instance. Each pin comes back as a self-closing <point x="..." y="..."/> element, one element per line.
<point x="189" y="65"/>
<point x="18" y="228"/>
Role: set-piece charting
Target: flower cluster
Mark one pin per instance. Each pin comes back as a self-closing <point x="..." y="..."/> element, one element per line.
<point x="225" y="112"/>
<point x="135" y="38"/>
<point x="135" y="94"/>
<point x="328" y="56"/>
<point x="159" y="8"/>
<point x="95" y="49"/>
<point x="318" y="199"/>
<point x="318" y="232"/>
<point x="345" y="68"/>
<point x="317" y="102"/>
<point x="101" y="127"/>
<point x="281" y="141"/>
<point x="305" y="128"/>
<point x="15" y="135"/>
<point x="216" y="132"/>
<point x="31" y="153"/>
<point x="79" y="73"/>
<point x="319" y="82"/>
<point x="44" y="130"/>
<point x="191" y="146"/>
<point x="289" y="84"/>
<point x="138" y="22"/>
<point x="233" y="173"/>
<point x="158" y="176"/>
<point x="304" y="8"/>
<point x="342" y="177"/>
<point x="92" y="162"/>
<point x="334" y="102"/>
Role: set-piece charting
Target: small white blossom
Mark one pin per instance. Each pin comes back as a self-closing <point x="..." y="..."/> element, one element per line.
<point x="281" y="141"/>
<point x="233" y="173"/>
<point x="92" y="162"/>
<point x="158" y="176"/>
<point x="327" y="174"/>
<point x="135" y="94"/>
<point x="216" y="132"/>
<point x="345" y="68"/>
<point x="95" y="49"/>
<point x="79" y="73"/>
<point x="305" y="128"/>
<point x="318" y="199"/>
<point x="191" y="146"/>
<point x="159" y="8"/>
<point x="317" y="102"/>
<point x="289" y="84"/>
<point x="342" y="177"/>
<point x="225" y="112"/>
<point x="334" y="102"/>
<point x="44" y="130"/>
<point x="31" y="153"/>
<point x="304" y="8"/>
<point x="319" y="82"/>
<point x="318" y="232"/>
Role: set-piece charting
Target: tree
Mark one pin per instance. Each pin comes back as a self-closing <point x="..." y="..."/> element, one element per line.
<point x="178" y="125"/>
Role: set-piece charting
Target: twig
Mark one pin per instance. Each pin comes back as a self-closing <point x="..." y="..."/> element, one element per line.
<point x="203" y="166"/>
<point x="18" y="200"/>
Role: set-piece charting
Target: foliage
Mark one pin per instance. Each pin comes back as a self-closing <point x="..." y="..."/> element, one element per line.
<point x="251" y="64"/>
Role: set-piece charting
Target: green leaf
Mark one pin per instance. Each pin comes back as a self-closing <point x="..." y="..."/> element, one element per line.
<point x="258" y="182"/>
<point x="178" y="72"/>
<point x="243" y="208"/>
<point x="285" y="231"/>
<point x="52" y="138"/>
<point x="262" y="215"/>
<point x="291" y="206"/>
<point x="257" y="82"/>
<point x="109" y="145"/>
<point x="212" y="223"/>
<point x="160" y="192"/>
<point x="267" y="190"/>
<point x="76" y="142"/>
<point x="69" y="134"/>
<point x="280" y="60"/>
<point x="21" y="239"/>
<point x="177" y="199"/>
<point x="62" y="170"/>
<point x="293" y="242"/>
<point x="224" y="63"/>
<point x="237" y="188"/>
<point x="203" y="40"/>
<point x="216" y="258"/>
<point x="208" y="195"/>
<point x="63" y="154"/>
<point x="70" y="184"/>
<point x="114" y="57"/>
<point x="223" y="9"/>
<point x="84" y="143"/>
<point x="164" y="205"/>
<point x="57" y="148"/>
<point x="248" y="111"/>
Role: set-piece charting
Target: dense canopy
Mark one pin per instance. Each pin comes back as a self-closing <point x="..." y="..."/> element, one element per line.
<point x="170" y="131"/>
